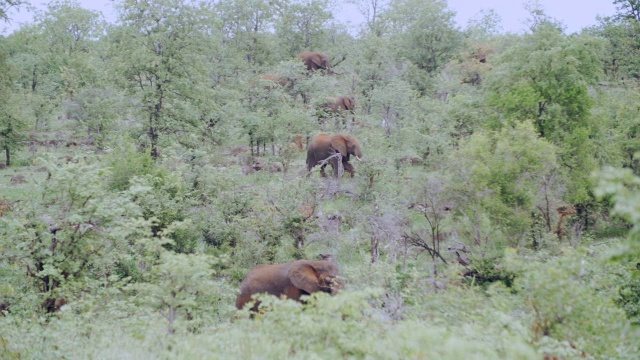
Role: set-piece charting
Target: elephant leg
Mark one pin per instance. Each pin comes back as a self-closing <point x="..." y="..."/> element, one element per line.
<point x="349" y="168"/>
<point x="322" y="173"/>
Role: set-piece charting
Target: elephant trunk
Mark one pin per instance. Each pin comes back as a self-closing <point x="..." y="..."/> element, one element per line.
<point x="357" y="152"/>
<point x="336" y="284"/>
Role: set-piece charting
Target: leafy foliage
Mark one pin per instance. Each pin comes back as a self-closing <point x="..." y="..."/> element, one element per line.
<point x="154" y="164"/>
<point x="73" y="234"/>
<point x="12" y="122"/>
<point x="624" y="188"/>
<point x="566" y="305"/>
<point x="505" y="172"/>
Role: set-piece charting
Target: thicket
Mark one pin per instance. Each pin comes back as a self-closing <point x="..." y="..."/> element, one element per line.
<point x="148" y="167"/>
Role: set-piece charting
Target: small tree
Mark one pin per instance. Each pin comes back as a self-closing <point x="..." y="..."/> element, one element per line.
<point x="302" y="26"/>
<point x="434" y="206"/>
<point x="73" y="233"/>
<point x="501" y="173"/>
<point x="97" y="109"/>
<point x="425" y="34"/>
<point x="159" y="48"/>
<point x="11" y="121"/>
<point x="623" y="187"/>
<point x="544" y="77"/>
<point x="176" y="286"/>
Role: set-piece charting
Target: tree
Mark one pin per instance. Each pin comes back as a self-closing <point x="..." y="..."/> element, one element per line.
<point x="617" y="112"/>
<point x="37" y="76"/>
<point x="98" y="109"/>
<point x="55" y="57"/>
<point x="6" y="6"/>
<point x="73" y="233"/>
<point x="503" y="174"/>
<point x="393" y="102"/>
<point x="70" y="36"/>
<point x="623" y="48"/>
<point x="621" y="59"/>
<point x="248" y="26"/>
<point x="485" y="24"/>
<point x="544" y="77"/>
<point x="629" y="9"/>
<point x="425" y="34"/>
<point x="175" y="285"/>
<point x="69" y="28"/>
<point x="623" y="188"/>
<point x="302" y="26"/>
<point x="371" y="10"/>
<point x="160" y="48"/>
<point x="11" y="118"/>
<point x="434" y="205"/>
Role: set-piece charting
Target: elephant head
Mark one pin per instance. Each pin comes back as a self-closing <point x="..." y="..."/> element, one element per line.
<point x="314" y="61"/>
<point x="324" y="146"/>
<point x="292" y="280"/>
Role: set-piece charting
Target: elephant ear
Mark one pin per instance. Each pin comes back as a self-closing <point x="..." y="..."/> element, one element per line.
<point x="339" y="143"/>
<point x="317" y="61"/>
<point x="349" y="102"/>
<point x="304" y="277"/>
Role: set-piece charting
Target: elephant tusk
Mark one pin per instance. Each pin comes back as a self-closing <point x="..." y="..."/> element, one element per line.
<point x="358" y="158"/>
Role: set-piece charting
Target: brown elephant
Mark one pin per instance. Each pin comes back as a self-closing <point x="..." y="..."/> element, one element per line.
<point x="293" y="279"/>
<point x="283" y="81"/>
<point x="322" y="146"/>
<point x="314" y="61"/>
<point x="4" y="306"/>
<point x="341" y="106"/>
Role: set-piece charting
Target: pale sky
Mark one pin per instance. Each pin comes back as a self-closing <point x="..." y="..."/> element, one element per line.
<point x="574" y="14"/>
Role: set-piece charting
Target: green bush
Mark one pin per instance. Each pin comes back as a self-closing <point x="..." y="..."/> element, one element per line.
<point x="569" y="309"/>
<point x="344" y="326"/>
<point x="629" y="295"/>
<point x="125" y="162"/>
<point x="71" y="233"/>
<point x="167" y="205"/>
<point x="484" y="271"/>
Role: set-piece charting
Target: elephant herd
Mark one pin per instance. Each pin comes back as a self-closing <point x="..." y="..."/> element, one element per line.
<point x="305" y="277"/>
<point x="338" y="106"/>
<point x="323" y="149"/>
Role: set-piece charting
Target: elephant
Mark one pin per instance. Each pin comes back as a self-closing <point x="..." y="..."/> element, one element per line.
<point x="341" y="105"/>
<point x="4" y="306"/>
<point x="322" y="146"/>
<point x="292" y="279"/>
<point x="314" y="60"/>
<point x="284" y="82"/>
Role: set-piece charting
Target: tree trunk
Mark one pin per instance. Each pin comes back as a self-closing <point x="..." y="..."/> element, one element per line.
<point x="7" y="153"/>
<point x="375" y="249"/>
<point x="153" y="135"/>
